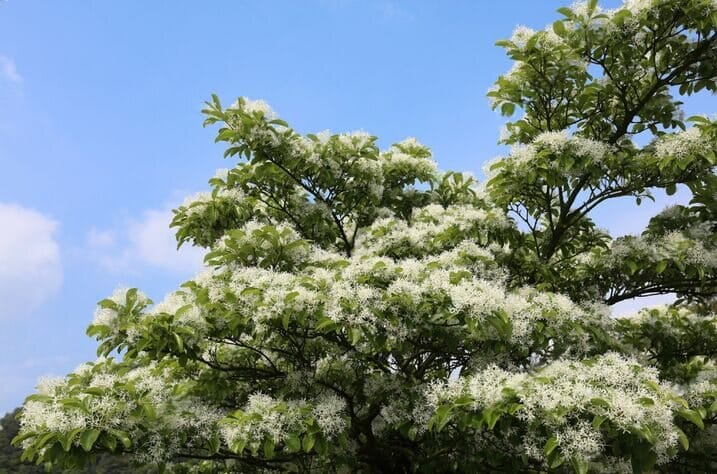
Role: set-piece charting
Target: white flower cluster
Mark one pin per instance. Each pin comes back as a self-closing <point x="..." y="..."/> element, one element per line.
<point x="349" y="157"/>
<point x="682" y="144"/>
<point x="253" y="107"/>
<point x="410" y="160"/>
<point x="108" y="316"/>
<point x="109" y="410"/>
<point x="581" y="8"/>
<point x="106" y="396"/>
<point x="263" y="417"/>
<point x="380" y="294"/>
<point x="702" y="390"/>
<point x="410" y="283"/>
<point x="621" y="382"/>
<point x="408" y="164"/>
<point x="547" y="38"/>
<point x="328" y="413"/>
<point x="196" y="417"/>
<point x="258" y="242"/>
<point x="196" y="203"/>
<point x="487" y="386"/>
<point x="222" y="174"/>
<point x="429" y="230"/>
<point x="213" y="279"/>
<point x="40" y="417"/>
<point x="558" y="143"/>
<point x="579" y="440"/>
<point x="357" y="140"/>
<point x="565" y="395"/>
<point x="521" y="35"/>
<point x="675" y="246"/>
<point x="638" y="7"/>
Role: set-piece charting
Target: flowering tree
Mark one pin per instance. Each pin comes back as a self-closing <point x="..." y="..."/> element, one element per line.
<point x="361" y="311"/>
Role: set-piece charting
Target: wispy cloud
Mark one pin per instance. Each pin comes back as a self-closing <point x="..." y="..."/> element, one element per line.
<point x="138" y="243"/>
<point x="30" y="267"/>
<point x="8" y="70"/>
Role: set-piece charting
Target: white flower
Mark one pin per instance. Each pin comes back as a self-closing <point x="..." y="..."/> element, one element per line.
<point x="221" y="173"/>
<point x="638" y="7"/>
<point x="580" y="441"/>
<point x="328" y="414"/>
<point x="521" y="35"/>
<point x="48" y="385"/>
<point x="254" y="106"/>
<point x="356" y="140"/>
<point x="104" y="317"/>
<point x="682" y="144"/>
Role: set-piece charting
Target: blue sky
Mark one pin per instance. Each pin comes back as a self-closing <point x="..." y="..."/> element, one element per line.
<point x="100" y="131"/>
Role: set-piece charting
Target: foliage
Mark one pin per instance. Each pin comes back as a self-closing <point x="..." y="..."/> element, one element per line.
<point x="361" y="311"/>
<point x="10" y="463"/>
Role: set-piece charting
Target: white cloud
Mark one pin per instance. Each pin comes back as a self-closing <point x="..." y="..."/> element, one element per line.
<point x="8" y="70"/>
<point x="144" y="242"/>
<point x="30" y="268"/>
<point x="100" y="239"/>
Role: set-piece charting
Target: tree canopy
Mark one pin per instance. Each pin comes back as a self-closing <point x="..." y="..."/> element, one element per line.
<point x="362" y="311"/>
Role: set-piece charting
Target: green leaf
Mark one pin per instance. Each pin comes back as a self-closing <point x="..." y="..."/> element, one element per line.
<point x="322" y="446"/>
<point x="491" y="417"/>
<point x="683" y="439"/>
<point x="557" y="462"/>
<point x="559" y="28"/>
<point x="110" y="442"/>
<point x="293" y="442"/>
<point x="22" y="437"/>
<point x="268" y="448"/>
<point x="355" y="335"/>
<point x="180" y="343"/>
<point x="215" y="443"/>
<point x="600" y="402"/>
<point x="671" y="189"/>
<point x="88" y="438"/>
<point x="38" y="397"/>
<point x="308" y="443"/>
<point x="661" y="266"/>
<point x="507" y="108"/>
<point x="646" y="401"/>
<point x="238" y="446"/>
<point x="598" y="420"/>
<point x="580" y="465"/>
<point x="442" y="417"/>
<point x="66" y="441"/>
<point x="326" y="323"/>
<point x="550" y="445"/>
<point x="643" y="458"/>
<point x="567" y="12"/>
<point x="692" y="416"/>
<point x="46" y="438"/>
<point x="620" y="16"/>
<point x="122" y="437"/>
<point x="697" y="119"/>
